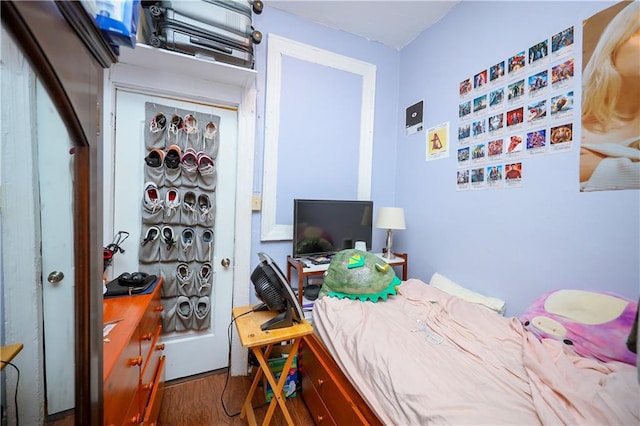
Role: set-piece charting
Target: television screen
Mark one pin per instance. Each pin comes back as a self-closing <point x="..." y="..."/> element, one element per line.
<point x="322" y="227"/>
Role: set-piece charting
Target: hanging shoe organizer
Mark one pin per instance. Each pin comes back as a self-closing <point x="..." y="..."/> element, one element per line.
<point x="178" y="212"/>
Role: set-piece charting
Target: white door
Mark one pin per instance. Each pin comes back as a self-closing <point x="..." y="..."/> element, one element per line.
<point x="189" y="351"/>
<point x="55" y="168"/>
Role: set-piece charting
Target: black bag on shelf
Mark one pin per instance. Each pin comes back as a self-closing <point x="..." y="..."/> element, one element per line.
<point x="130" y="284"/>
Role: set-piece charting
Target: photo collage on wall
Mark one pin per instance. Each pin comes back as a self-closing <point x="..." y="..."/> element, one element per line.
<point x="518" y="108"/>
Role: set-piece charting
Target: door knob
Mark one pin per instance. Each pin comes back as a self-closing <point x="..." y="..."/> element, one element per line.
<point x="55" y="277"/>
<point x="225" y="262"/>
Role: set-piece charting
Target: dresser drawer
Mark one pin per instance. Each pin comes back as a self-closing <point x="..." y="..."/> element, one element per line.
<point x="155" y="400"/>
<point x="121" y="386"/>
<point x="322" y="381"/>
<point x="149" y="324"/>
<point x="317" y="409"/>
<point x="134" y="415"/>
<point x="150" y="370"/>
<point x="332" y="389"/>
<point x="152" y="346"/>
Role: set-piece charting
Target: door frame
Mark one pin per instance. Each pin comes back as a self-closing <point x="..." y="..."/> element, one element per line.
<point x="226" y="85"/>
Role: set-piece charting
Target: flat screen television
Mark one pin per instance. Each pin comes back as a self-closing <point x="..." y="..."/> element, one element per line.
<point x="324" y="227"/>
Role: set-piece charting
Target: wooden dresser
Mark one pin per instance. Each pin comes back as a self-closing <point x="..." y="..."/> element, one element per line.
<point x="133" y="360"/>
<point x="327" y="393"/>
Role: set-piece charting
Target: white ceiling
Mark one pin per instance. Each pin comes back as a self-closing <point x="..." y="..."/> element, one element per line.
<point x="393" y="23"/>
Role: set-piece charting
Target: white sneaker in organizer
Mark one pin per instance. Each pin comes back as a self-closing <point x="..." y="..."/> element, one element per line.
<point x="152" y="204"/>
<point x="185" y="278"/>
<point x="175" y="135"/>
<point x="206" y="209"/>
<point x="187" y="245"/>
<point x="184" y="313"/>
<point x="190" y="211"/>
<point x="168" y="244"/>
<point x="172" y="170"/>
<point x="208" y="173"/>
<point x="189" y="165"/>
<point x="149" y="245"/>
<point x="210" y="139"/>
<point x="205" y="280"/>
<point x="172" y="206"/>
<point x="192" y="133"/>
<point x="155" y="132"/>
<point x="154" y="167"/>
<point x="201" y="311"/>
<point x="204" y="245"/>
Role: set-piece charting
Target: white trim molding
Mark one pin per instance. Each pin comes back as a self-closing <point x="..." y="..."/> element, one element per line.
<point x="278" y="48"/>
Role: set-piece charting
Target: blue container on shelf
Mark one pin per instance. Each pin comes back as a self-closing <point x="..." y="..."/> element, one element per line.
<point x="118" y="20"/>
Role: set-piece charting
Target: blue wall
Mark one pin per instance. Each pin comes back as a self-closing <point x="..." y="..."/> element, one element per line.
<point x="511" y="243"/>
<point x="292" y="181"/>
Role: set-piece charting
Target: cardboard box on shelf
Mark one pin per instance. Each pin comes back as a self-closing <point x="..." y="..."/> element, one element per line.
<point x="276" y="361"/>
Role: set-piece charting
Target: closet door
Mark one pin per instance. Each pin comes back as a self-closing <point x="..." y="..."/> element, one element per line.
<point x="187" y="233"/>
<point x="55" y="210"/>
<point x="37" y="230"/>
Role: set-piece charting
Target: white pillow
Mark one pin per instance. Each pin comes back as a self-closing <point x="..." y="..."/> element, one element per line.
<point x="445" y="284"/>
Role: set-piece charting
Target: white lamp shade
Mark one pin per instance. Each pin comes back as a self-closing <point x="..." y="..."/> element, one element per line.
<point x="390" y="218"/>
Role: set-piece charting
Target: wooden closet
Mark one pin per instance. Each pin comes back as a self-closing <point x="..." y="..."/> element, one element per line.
<point x="68" y="53"/>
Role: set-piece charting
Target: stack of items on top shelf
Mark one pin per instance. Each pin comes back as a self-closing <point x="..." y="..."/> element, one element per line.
<point x="217" y="29"/>
<point x="178" y="212"/>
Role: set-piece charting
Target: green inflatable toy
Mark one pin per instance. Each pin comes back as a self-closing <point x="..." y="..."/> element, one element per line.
<point x="356" y="274"/>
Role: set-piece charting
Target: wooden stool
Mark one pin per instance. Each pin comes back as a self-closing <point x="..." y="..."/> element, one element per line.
<point x="252" y="337"/>
<point x="7" y="353"/>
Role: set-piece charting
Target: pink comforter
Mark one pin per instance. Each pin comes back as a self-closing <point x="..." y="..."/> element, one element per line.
<point x="425" y="357"/>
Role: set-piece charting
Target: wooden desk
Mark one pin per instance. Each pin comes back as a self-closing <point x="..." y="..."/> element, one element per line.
<point x="401" y="260"/>
<point x="8" y="353"/>
<point x="260" y="343"/>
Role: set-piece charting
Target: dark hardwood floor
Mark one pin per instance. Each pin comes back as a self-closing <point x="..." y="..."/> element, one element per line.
<point x="195" y="401"/>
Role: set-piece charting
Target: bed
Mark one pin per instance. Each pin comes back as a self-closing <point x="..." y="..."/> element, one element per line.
<point x="425" y="356"/>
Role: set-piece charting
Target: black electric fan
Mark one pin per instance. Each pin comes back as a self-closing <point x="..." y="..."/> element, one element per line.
<point x="276" y="294"/>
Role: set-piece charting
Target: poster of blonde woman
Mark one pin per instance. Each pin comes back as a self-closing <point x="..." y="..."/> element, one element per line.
<point x="610" y="146"/>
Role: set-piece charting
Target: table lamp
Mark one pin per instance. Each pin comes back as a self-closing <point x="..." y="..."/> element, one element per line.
<point x="390" y="218"/>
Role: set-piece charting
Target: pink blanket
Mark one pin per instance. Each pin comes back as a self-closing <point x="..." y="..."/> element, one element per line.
<point x="426" y="357"/>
